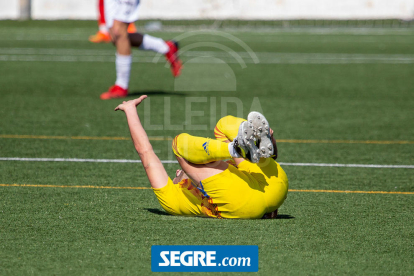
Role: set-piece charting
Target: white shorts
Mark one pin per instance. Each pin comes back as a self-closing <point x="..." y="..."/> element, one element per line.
<point x="121" y="10"/>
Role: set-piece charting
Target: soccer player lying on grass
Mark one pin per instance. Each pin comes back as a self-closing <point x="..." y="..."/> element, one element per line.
<point x="253" y="186"/>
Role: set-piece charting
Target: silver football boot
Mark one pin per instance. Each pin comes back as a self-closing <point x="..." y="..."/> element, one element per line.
<point x="254" y="140"/>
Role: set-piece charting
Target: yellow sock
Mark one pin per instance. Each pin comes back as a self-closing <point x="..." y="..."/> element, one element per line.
<point x="198" y="150"/>
<point x="227" y="128"/>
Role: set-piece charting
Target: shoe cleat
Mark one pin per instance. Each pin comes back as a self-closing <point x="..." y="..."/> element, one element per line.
<point x="172" y="57"/>
<point x="114" y="92"/>
<point x="258" y="121"/>
<point x="245" y="143"/>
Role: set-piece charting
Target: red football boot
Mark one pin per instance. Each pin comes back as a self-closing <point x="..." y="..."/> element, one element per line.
<point x="172" y="57"/>
<point x="114" y="92"/>
<point x="132" y="28"/>
<point x="100" y="37"/>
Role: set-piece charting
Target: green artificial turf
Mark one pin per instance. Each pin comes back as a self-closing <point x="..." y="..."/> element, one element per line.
<point x="81" y="231"/>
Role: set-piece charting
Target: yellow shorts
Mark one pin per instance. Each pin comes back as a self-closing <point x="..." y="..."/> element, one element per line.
<point x="246" y="192"/>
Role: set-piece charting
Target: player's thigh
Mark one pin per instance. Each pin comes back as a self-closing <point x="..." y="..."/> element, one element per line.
<point x="273" y="179"/>
<point x="200" y="172"/>
<point x="236" y="194"/>
<point x="118" y="29"/>
<point x="267" y="172"/>
<point x="125" y="11"/>
<point x="266" y="166"/>
<point x="175" y="201"/>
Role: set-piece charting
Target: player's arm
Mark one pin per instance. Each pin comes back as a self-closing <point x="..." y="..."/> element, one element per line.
<point x="156" y="173"/>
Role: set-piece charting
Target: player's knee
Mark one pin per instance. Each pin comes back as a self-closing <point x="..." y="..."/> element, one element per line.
<point x="226" y="119"/>
<point x="226" y="128"/>
<point x="178" y="144"/>
<point x="117" y="33"/>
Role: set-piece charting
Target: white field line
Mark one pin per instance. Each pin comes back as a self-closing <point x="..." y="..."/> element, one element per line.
<point x="81" y="34"/>
<point x="348" y="165"/>
<point x="84" y="55"/>
<point x="174" y="161"/>
<point x="78" y="160"/>
<point x="191" y="54"/>
<point x="286" y="60"/>
<point x="266" y="37"/>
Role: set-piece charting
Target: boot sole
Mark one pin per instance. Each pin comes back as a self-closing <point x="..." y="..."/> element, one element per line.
<point x="260" y="129"/>
<point x="249" y="141"/>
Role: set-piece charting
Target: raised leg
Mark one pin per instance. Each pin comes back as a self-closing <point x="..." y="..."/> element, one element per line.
<point x="198" y="172"/>
<point x="199" y="157"/>
<point x="227" y="129"/>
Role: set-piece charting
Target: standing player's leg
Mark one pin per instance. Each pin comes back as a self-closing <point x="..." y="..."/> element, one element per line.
<point x="123" y="61"/>
<point x="123" y="42"/>
<point x="118" y="15"/>
<point x="168" y="48"/>
<point x="103" y="34"/>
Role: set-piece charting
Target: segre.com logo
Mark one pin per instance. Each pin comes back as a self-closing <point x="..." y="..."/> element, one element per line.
<point x="205" y="258"/>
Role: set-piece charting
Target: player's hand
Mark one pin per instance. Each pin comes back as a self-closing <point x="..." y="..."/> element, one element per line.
<point x="179" y="176"/>
<point x="130" y="104"/>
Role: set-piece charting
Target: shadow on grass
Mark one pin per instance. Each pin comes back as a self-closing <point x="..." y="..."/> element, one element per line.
<point x="163" y="213"/>
<point x="157" y="212"/>
<point x="284" y="217"/>
<point x="135" y="94"/>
